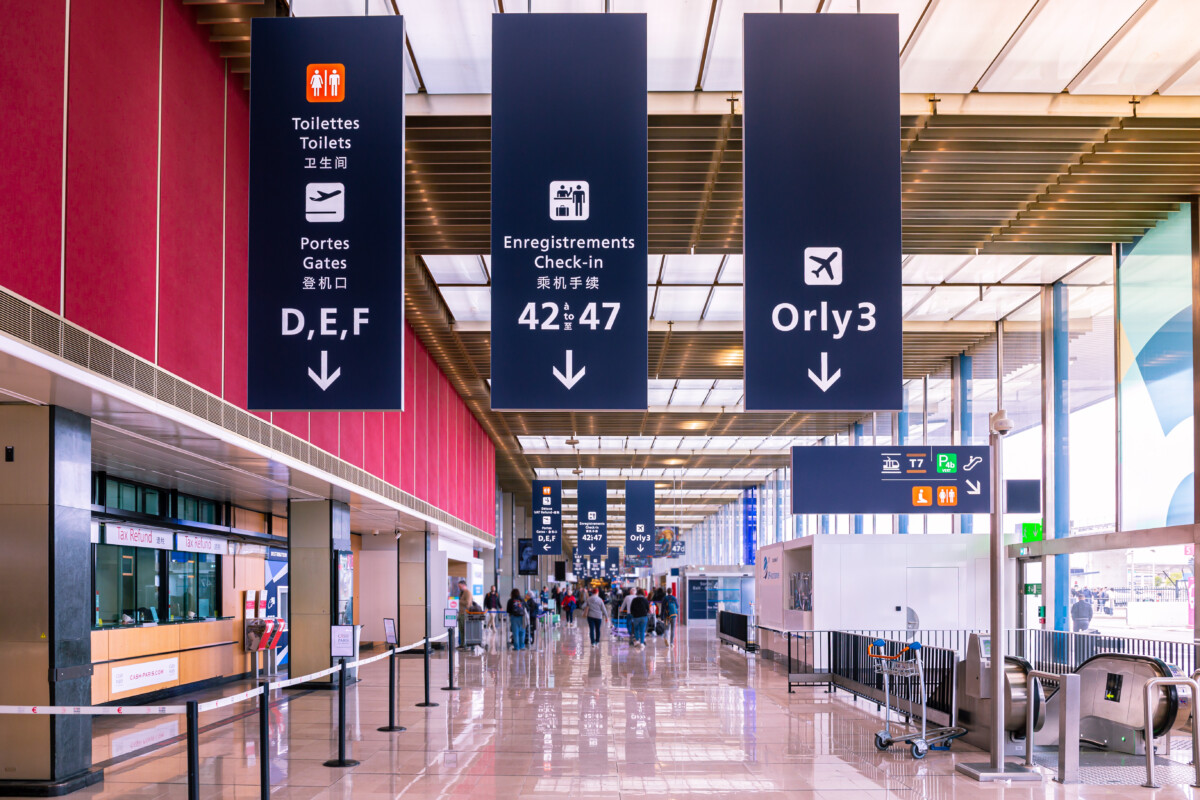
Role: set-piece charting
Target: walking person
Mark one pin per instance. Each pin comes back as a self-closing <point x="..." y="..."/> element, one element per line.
<point x="569" y="607"/>
<point x="1081" y="614"/>
<point x="596" y="612"/>
<point x="517" y="612"/>
<point x="670" y="606"/>
<point x="493" y="606"/>
<point x="639" y="615"/>
<point x="531" y="603"/>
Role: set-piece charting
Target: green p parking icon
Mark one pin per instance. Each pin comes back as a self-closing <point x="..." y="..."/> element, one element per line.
<point x="947" y="462"/>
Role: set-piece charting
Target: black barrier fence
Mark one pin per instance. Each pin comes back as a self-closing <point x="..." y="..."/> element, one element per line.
<point x="1061" y="652"/>
<point x="818" y="657"/>
<point x="850" y="660"/>
<point x="734" y="628"/>
<point x="191" y="710"/>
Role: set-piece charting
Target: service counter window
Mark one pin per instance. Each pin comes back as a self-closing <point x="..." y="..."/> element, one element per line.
<point x="192" y="586"/>
<point x="127" y="581"/>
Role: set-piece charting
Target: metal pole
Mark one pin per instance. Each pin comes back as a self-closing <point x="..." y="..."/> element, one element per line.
<point x="341" y="760"/>
<point x="264" y="744"/>
<point x="997" y="591"/>
<point x="392" y="726"/>
<point x="428" y="703"/>
<point x="450" y="648"/>
<point x="193" y="749"/>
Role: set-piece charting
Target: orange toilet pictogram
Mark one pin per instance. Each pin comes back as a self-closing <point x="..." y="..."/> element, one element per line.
<point x="947" y="496"/>
<point x="325" y="83"/>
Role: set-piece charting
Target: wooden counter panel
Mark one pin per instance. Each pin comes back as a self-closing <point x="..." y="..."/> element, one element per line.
<point x="211" y="662"/>
<point x="199" y="634"/>
<point x="100" y="646"/>
<point x="137" y="642"/>
<point x="101" y="680"/>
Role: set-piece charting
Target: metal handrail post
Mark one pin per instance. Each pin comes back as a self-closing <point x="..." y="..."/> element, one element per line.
<point x="1068" y="723"/>
<point x="1151" y="687"/>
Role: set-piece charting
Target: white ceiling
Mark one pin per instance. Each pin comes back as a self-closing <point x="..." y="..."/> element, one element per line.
<point x="1108" y="47"/>
<point x="708" y="288"/>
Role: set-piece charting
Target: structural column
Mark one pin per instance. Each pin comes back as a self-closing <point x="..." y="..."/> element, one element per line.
<point x="413" y="605"/>
<point x="45" y="572"/>
<point x="318" y="530"/>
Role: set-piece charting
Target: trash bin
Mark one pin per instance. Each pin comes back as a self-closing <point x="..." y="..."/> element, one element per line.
<point x="472" y="632"/>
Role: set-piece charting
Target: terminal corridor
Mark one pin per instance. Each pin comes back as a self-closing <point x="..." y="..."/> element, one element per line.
<point x="693" y="719"/>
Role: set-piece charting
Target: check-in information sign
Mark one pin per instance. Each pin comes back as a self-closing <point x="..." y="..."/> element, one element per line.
<point x="592" y="507"/>
<point x="326" y="294"/>
<point x="822" y="212"/>
<point x="891" y="480"/>
<point x="639" y="518"/>
<point x="568" y="320"/>
<point x="547" y="517"/>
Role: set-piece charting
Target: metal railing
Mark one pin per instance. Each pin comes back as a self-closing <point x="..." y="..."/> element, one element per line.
<point x="1152" y="687"/>
<point x="1068" y="723"/>
<point x="1061" y="651"/>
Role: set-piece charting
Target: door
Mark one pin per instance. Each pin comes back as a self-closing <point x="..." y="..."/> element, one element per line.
<point x="1031" y="592"/>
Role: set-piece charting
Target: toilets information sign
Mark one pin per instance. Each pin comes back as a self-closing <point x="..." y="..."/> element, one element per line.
<point x="569" y="171"/>
<point x="900" y="479"/>
<point x="822" y="213"/>
<point x="325" y="328"/>
<point x="639" y="518"/>
<point x="547" y="517"/>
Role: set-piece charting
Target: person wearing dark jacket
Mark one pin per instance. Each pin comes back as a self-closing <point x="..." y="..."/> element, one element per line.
<point x="1081" y="614"/>
<point x="639" y="615"/>
<point x="492" y="605"/>
<point x="516" y="619"/>
<point x="531" y="603"/>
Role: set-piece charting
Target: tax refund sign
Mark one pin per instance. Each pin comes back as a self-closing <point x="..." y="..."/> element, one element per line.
<point x="326" y="295"/>
<point x="568" y="317"/>
<point x="900" y="479"/>
<point x="822" y="207"/>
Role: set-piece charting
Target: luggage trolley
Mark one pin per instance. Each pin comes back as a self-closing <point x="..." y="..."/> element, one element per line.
<point x="898" y="666"/>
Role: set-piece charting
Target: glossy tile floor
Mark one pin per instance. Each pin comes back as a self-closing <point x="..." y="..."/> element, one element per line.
<point x="695" y="719"/>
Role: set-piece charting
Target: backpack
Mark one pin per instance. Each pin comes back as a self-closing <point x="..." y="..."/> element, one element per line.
<point x="672" y="606"/>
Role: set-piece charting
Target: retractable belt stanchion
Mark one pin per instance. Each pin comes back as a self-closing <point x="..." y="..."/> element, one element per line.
<point x="450" y="649"/>
<point x="392" y="726"/>
<point x="341" y="760"/>
<point x="428" y="703"/>
<point x="264" y="744"/>
<point x="193" y="750"/>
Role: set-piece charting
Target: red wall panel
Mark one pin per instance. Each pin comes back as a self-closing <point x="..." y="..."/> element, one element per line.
<point x="294" y="422"/>
<point x="237" y="232"/>
<point x="32" y="43"/>
<point x="352" y="437"/>
<point x="324" y="427"/>
<point x="425" y="418"/>
<point x="391" y="450"/>
<point x="112" y="174"/>
<point x="373" y="443"/>
<point x="190" y="215"/>
<point x="408" y="424"/>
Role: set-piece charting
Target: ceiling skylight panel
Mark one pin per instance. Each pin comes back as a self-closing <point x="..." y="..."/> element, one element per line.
<point x="452" y="43"/>
<point x="956" y="41"/>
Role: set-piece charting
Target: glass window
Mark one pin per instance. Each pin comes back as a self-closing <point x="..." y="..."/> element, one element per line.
<point x="192" y="586"/>
<point x="127" y="585"/>
<point x="182" y="586"/>
<point x="197" y="509"/>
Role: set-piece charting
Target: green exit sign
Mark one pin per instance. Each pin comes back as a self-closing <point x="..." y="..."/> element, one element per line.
<point x="1032" y="532"/>
<point x="1033" y="588"/>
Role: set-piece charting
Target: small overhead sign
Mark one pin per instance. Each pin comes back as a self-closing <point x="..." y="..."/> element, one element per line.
<point x="900" y="479"/>
<point x="592" y="520"/>
<point x="547" y="517"/>
<point x="639" y="518"/>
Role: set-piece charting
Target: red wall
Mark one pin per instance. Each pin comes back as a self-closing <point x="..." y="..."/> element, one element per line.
<point x="156" y="221"/>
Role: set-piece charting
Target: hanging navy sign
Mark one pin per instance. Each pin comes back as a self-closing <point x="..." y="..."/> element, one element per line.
<point x="547" y="517"/>
<point x="639" y="518"/>
<point x="325" y="329"/>
<point x="593" y="517"/>
<point x="822" y="212"/>
<point x="569" y="172"/>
